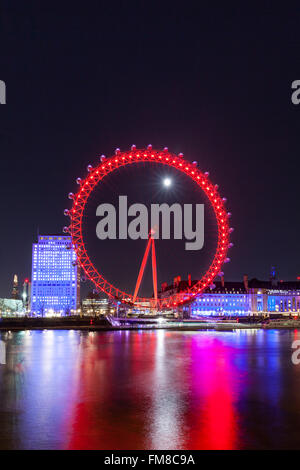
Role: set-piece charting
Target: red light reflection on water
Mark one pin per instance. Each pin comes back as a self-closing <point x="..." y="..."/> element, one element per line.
<point x="150" y="390"/>
<point x="140" y="392"/>
<point x="112" y="411"/>
<point x="213" y="377"/>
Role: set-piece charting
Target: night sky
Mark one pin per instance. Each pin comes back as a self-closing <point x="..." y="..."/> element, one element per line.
<point x="211" y="82"/>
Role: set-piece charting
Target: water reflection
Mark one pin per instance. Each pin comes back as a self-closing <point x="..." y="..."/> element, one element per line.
<point x="213" y="393"/>
<point x="149" y="390"/>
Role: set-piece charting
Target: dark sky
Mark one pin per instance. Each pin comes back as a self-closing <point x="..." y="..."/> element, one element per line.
<point x="211" y="82"/>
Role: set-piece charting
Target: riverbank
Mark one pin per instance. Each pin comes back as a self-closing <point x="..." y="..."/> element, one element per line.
<point x="103" y="324"/>
<point x="203" y="327"/>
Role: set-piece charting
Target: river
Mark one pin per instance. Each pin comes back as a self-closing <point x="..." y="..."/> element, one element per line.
<point x="149" y="390"/>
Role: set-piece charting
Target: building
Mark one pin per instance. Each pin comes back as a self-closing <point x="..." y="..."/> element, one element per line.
<point x="248" y="297"/>
<point x="275" y="296"/>
<point x="15" y="289"/>
<point x="26" y="295"/>
<point x="94" y="305"/>
<point x="11" y="307"/>
<point x="55" y="286"/>
<point x="225" y="299"/>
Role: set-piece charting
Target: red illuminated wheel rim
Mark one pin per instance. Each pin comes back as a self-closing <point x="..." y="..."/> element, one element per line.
<point x="136" y="156"/>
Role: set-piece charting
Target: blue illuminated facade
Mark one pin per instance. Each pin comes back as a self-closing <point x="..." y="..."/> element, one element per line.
<point x="222" y="303"/>
<point x="55" y="276"/>
<point x="253" y="297"/>
<point x="227" y="299"/>
<point x="249" y="298"/>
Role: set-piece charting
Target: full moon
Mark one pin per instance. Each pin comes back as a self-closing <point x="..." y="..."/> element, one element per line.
<point x="167" y="182"/>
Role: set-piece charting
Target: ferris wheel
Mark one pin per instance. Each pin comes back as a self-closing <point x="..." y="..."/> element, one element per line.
<point x="133" y="157"/>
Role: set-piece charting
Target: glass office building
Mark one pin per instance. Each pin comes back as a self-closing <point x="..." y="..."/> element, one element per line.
<point x="55" y="276"/>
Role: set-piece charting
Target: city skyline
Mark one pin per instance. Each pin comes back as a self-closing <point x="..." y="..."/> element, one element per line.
<point x="221" y="101"/>
<point x="149" y="261"/>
